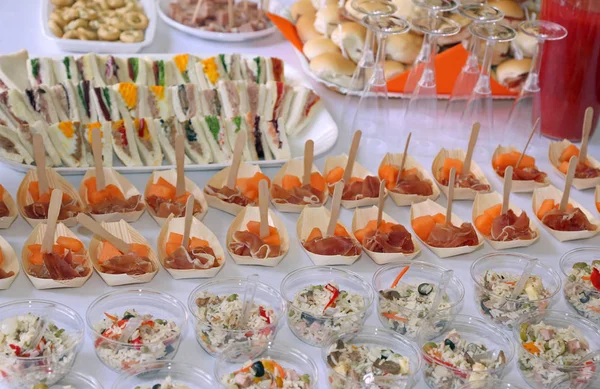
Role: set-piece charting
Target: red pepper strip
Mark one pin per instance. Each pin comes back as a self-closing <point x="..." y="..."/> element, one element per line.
<point x="335" y="293"/>
<point x="137" y="341"/>
<point x="263" y="313"/>
<point x="16" y="348"/>
<point x="111" y="317"/>
<point x="148" y="323"/>
<point x="595" y="278"/>
<point x="122" y="323"/>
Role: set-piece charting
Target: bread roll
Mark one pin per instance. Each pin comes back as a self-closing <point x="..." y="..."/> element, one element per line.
<point x="404" y="47"/>
<point x="513" y="13"/>
<point x="318" y="46"/>
<point x="306" y="29"/>
<point x="391" y="69"/>
<point x="463" y="34"/>
<point x="327" y="18"/>
<point x="350" y="37"/>
<point x="302" y="7"/>
<point x="525" y="44"/>
<point x="317" y="4"/>
<point x="333" y="67"/>
<point x="512" y="73"/>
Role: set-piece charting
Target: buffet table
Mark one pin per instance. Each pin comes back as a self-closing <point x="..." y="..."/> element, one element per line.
<point x="19" y="28"/>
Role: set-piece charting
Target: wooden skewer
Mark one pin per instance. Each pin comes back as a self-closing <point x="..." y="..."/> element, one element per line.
<point x="587" y="127"/>
<point x="380" y="202"/>
<point x="53" y="212"/>
<point x="39" y="154"/>
<point x="309" y="149"/>
<point x="352" y="156"/>
<point x="180" y="159"/>
<point x="403" y="157"/>
<point x="472" y="142"/>
<point x="564" y="202"/>
<point x="263" y="208"/>
<point x="196" y="11"/>
<point x="336" y="203"/>
<point x="97" y="153"/>
<point x="97" y="229"/>
<point x="240" y="141"/>
<point x="537" y="122"/>
<point x="451" y="184"/>
<point x="508" y="173"/>
<point x="187" y="224"/>
<point x="230" y="13"/>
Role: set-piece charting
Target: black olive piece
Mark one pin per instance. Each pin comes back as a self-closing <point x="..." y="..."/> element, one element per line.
<point x="390" y="294"/>
<point x="157" y="386"/>
<point x="333" y="358"/>
<point x="399" y="327"/>
<point x="584" y="297"/>
<point x="484" y="308"/>
<point x="450" y="344"/>
<point x="307" y="318"/>
<point x="258" y="369"/>
<point x="425" y="288"/>
<point x="340" y="344"/>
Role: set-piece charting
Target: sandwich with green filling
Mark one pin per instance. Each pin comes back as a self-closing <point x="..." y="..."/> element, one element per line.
<point x="137" y="70"/>
<point x="40" y="71"/>
<point x="216" y="135"/>
<point x="65" y="69"/>
<point x="85" y="101"/>
<point x="234" y="127"/>
<point x="105" y="103"/>
<point x="161" y="72"/>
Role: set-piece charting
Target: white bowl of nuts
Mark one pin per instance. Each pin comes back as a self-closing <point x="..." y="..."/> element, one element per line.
<point x="101" y="26"/>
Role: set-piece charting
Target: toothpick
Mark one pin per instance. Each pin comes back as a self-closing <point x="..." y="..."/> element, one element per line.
<point x="587" y="127"/>
<point x="403" y="158"/>
<point x="180" y="158"/>
<point x="352" y="156"/>
<point x="263" y="208"/>
<point x="564" y="202"/>
<point x="508" y="173"/>
<point x="53" y="212"/>
<point x="335" y="208"/>
<point x="537" y="122"/>
<point x="240" y="141"/>
<point x="97" y="153"/>
<point x="380" y="202"/>
<point x="97" y="229"/>
<point x="309" y="149"/>
<point x="450" y="195"/>
<point x="39" y="155"/>
<point x="187" y="224"/>
<point x="472" y="142"/>
<point x="230" y="13"/>
<point x="196" y="11"/>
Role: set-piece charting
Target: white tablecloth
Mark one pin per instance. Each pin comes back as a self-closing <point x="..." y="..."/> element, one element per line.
<point x="19" y="28"/>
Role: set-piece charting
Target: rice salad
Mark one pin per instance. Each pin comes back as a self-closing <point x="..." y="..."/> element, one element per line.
<point x="498" y="287"/>
<point x="167" y="383"/>
<point x="455" y="361"/>
<point x="219" y="318"/>
<point x="55" y="348"/>
<point x="582" y="289"/>
<point x="352" y="365"/>
<point x="319" y="311"/>
<point x="545" y="349"/>
<point x="133" y="338"/>
<point x="265" y="374"/>
<point x="403" y="307"/>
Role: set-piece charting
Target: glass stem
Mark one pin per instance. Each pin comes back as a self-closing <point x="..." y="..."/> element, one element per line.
<point x="366" y="61"/>
<point x="472" y="64"/>
<point x="379" y="71"/>
<point x="532" y="81"/>
<point x="483" y="83"/>
<point x="428" y="78"/>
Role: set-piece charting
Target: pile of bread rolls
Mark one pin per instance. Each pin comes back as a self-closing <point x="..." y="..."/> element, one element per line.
<point x="334" y="39"/>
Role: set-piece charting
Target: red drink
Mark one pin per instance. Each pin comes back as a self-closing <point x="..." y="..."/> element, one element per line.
<point x="570" y="73"/>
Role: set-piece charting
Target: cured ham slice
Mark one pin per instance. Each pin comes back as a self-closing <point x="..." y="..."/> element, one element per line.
<point x="62" y="263"/>
<point x="573" y="219"/>
<point x="41" y="203"/>
<point x="527" y="171"/>
<point x="4" y="274"/>
<point x="409" y="182"/>
<point x="450" y="236"/>
<point x="161" y="197"/>
<point x="463" y="180"/>
<point x="357" y="188"/>
<point x="110" y="199"/>
<point x="397" y="240"/>
<point x="134" y="263"/>
<point x="228" y="195"/>
<point x="198" y="255"/>
<point x="586" y="171"/>
<point x="292" y="191"/>
<point x="338" y="244"/>
<point x="4" y="211"/>
<point x="583" y="169"/>
<point x="250" y="244"/>
<point x="511" y="227"/>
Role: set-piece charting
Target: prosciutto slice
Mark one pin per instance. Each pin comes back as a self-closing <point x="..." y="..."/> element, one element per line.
<point x="450" y="236"/>
<point x="304" y="195"/>
<point x="228" y="195"/>
<point x="58" y="267"/>
<point x="199" y="258"/>
<point x="39" y="210"/>
<point x="333" y="245"/>
<point x="414" y="185"/>
<point x="165" y="207"/>
<point x="131" y="264"/>
<point x="4" y="274"/>
<point x="468" y="181"/>
<point x="3" y="209"/>
<point x="247" y="244"/>
<point x="115" y="205"/>
<point x="356" y="190"/>
<point x="525" y="174"/>
<point x="570" y="220"/>
<point x="398" y="240"/>
<point x="512" y="227"/>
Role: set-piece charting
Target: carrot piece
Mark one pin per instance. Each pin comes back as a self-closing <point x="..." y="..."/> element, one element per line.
<point x="175" y="238"/>
<point x="423" y="225"/>
<point x="107" y="252"/>
<point x="289" y="182"/>
<point x="314" y="234"/>
<point x="586" y="278"/>
<point x="439" y="218"/>
<point x="393" y="316"/>
<point x="493" y="211"/>
<point x="334" y="175"/>
<point x="483" y="223"/>
<point x="547" y="206"/>
<point x="111" y="317"/>
<point x="595" y="309"/>
<point x="140" y="249"/>
<point x="450" y="163"/>
<point x="399" y="276"/>
<point x="340" y="230"/>
<point x="569" y="152"/>
<point x="355" y="179"/>
<point x="532" y="348"/>
<point x="72" y="244"/>
<point x="197" y="242"/>
<point x="35" y="254"/>
<point x="317" y="181"/>
<point x="389" y="173"/>
<point x="171" y="247"/>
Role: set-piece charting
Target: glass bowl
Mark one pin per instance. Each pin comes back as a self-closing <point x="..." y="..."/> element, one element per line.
<point x="580" y="295"/>
<point x="440" y="374"/>
<point x="119" y="355"/>
<point x="146" y="376"/>
<point x="371" y="337"/>
<point x="498" y="306"/>
<point x="215" y="339"/>
<point x="405" y="319"/>
<point x="239" y="357"/>
<point x="51" y="380"/>
<point x="66" y="328"/>
<point x="491" y="384"/>
<point x="315" y="329"/>
<point x="538" y="372"/>
<point x="578" y="380"/>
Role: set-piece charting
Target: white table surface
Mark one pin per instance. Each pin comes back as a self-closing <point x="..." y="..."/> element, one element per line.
<point x="19" y="28"/>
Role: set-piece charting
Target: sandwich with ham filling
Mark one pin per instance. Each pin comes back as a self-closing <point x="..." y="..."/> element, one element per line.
<point x="124" y="142"/>
<point x="25" y="133"/>
<point x="11" y="147"/>
<point x="167" y="131"/>
<point x="65" y="98"/>
<point x="158" y="102"/>
<point x="105" y="101"/>
<point x="65" y="69"/>
<point x="185" y="101"/>
<point x="85" y="102"/>
<point x="40" y="71"/>
<point x="147" y="141"/>
<point x="15" y="109"/>
<point x="161" y="72"/>
<point x="67" y="260"/>
<point x="41" y="100"/>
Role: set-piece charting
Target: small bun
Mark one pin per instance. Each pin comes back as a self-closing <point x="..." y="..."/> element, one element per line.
<point x="525" y="44"/>
<point x="302" y="7"/>
<point x="513" y="13"/>
<point x="403" y="47"/>
<point x="306" y="29"/>
<point x="512" y="73"/>
<point x="333" y="67"/>
<point x="327" y="18"/>
<point x="350" y="37"/>
<point x="318" y="46"/>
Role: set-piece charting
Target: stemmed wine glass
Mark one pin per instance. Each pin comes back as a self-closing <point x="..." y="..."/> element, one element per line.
<point x="372" y="113"/>
<point x="479" y="107"/>
<point x="526" y="108"/>
<point x="465" y="83"/>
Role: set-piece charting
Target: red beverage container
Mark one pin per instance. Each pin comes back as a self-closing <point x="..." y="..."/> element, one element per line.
<point x="570" y="73"/>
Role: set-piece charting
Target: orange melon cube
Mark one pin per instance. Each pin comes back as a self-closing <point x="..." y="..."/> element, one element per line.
<point x="317" y="181"/>
<point x="334" y="175"/>
<point x="289" y="182"/>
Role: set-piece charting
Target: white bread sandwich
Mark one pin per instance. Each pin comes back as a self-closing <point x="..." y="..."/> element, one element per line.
<point x="85" y="102"/>
<point x="138" y="70"/>
<point x="263" y="69"/>
<point x="147" y="141"/>
<point x="167" y="130"/>
<point x="89" y="69"/>
<point x="210" y="71"/>
<point x="65" y="69"/>
<point x="229" y="96"/>
<point x="210" y="104"/>
<point x="41" y="100"/>
<point x="40" y="71"/>
<point x="129" y="98"/>
<point x="275" y="69"/>
<point x="159" y="102"/>
<point x="232" y="65"/>
<point x="242" y="88"/>
<point x="17" y="110"/>
<point x="11" y="148"/>
<point x="113" y="69"/>
<point x="277" y="100"/>
<point x="234" y="127"/>
<point x="68" y="139"/>
<point x="185" y="101"/>
<point x="216" y="136"/>
<point x="105" y="104"/>
<point x="303" y="108"/>
<point x="25" y="133"/>
<point x="257" y="140"/>
<point x="106" y="138"/>
<point x="124" y="142"/>
<point x="13" y="71"/>
<point x="162" y="73"/>
<point x="185" y="69"/>
<point x="277" y="140"/>
<point x="254" y="98"/>
<point x="196" y="144"/>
